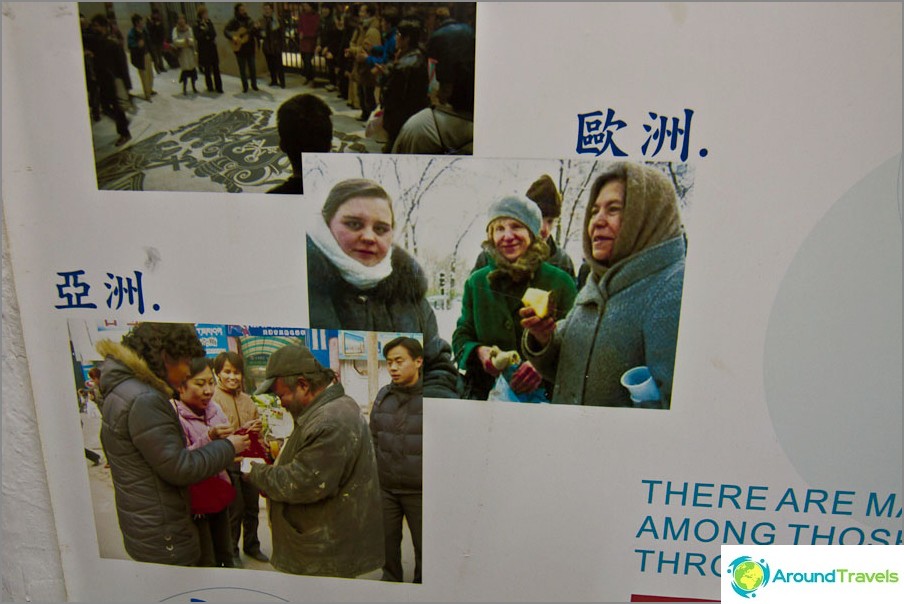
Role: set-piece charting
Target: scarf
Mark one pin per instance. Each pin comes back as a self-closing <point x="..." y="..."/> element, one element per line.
<point x="522" y="269"/>
<point x="650" y="217"/>
<point x="352" y="271"/>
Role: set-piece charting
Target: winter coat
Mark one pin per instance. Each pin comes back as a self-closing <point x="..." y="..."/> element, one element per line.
<point x="206" y="35"/>
<point x="396" y="423"/>
<point x="489" y="317"/>
<point x="395" y="304"/>
<point x="196" y="427"/>
<point x="308" y="24"/>
<point x="136" y="51"/>
<point x="234" y="26"/>
<point x="272" y="36"/>
<point x="405" y="91"/>
<point x="366" y="37"/>
<point x="184" y="41"/>
<point x="437" y="130"/>
<point x="238" y="409"/>
<point x="149" y="462"/>
<point x="557" y="257"/>
<point x="626" y="319"/>
<point x="325" y="511"/>
<point x="329" y="36"/>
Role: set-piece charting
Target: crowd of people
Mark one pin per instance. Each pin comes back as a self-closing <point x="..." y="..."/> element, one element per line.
<point x="190" y="457"/>
<point x="377" y="57"/>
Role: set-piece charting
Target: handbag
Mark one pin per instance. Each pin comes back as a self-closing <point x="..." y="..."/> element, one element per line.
<point x="211" y="495"/>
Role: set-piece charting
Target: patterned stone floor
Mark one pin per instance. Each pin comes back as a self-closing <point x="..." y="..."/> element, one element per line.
<point x="211" y="142"/>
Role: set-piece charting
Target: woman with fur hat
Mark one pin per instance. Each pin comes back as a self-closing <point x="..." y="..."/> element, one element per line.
<point x="358" y="279"/>
<point x="492" y="296"/>
<point x="145" y="445"/>
<point x="626" y="315"/>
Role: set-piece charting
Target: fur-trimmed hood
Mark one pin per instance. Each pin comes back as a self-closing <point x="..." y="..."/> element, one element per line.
<point x="407" y="282"/>
<point x="131" y="366"/>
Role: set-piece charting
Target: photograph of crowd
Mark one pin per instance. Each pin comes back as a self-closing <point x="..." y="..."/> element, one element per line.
<point x="267" y="448"/>
<point x="186" y="96"/>
<point x="543" y="281"/>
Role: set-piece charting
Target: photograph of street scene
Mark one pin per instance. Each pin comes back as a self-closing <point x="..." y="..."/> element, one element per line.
<point x="266" y="448"/>
<point x="187" y="96"/>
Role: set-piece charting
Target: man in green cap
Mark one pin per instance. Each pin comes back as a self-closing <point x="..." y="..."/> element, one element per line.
<point x="324" y="491"/>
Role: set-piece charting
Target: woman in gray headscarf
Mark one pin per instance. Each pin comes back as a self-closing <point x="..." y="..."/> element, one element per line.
<point x="627" y="313"/>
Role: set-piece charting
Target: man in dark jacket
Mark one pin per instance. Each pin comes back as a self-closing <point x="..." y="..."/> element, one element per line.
<point x="157" y="32"/>
<point x="105" y="55"/>
<point x="323" y="487"/>
<point x="242" y="34"/>
<point x="144" y="443"/>
<point x="396" y="423"/>
<point x="405" y="88"/>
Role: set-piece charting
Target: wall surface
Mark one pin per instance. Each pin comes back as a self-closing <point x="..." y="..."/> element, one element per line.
<point x="31" y="559"/>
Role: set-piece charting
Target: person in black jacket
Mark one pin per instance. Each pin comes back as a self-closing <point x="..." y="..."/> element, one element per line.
<point x="208" y="59"/>
<point x="396" y="423"/>
<point x="406" y="80"/>
<point x="242" y="34"/>
<point x="157" y="31"/>
<point x="105" y="54"/>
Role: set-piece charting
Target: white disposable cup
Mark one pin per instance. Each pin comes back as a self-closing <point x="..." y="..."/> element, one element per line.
<point x="640" y="384"/>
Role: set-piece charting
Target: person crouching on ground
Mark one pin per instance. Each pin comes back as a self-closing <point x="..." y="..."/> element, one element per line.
<point x="323" y="488"/>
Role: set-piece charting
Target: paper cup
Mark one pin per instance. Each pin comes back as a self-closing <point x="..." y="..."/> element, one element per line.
<point x="640" y="384"/>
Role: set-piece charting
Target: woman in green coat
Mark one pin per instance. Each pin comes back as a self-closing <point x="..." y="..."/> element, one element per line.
<point x="492" y="296"/>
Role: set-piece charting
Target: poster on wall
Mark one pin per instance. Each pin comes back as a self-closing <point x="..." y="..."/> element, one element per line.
<point x="649" y="283"/>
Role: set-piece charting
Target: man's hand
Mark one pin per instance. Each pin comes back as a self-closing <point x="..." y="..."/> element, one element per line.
<point x="247" y="464"/>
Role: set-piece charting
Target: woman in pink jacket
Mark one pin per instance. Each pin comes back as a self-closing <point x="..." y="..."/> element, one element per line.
<point x="202" y="422"/>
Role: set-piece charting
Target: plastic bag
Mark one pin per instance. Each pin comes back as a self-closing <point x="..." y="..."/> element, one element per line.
<point x="503" y="392"/>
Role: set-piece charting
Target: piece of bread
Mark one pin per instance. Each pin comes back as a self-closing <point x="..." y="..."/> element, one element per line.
<point x="537" y="299"/>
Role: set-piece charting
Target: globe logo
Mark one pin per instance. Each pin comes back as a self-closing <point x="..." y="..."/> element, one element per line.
<point x="748" y="575"/>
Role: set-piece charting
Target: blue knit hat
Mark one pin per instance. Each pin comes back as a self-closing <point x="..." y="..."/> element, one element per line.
<point x="521" y="209"/>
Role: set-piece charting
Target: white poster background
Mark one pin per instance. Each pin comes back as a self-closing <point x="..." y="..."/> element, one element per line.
<point x="799" y="106"/>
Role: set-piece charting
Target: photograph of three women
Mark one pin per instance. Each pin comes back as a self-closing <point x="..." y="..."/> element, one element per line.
<point x="533" y="281"/>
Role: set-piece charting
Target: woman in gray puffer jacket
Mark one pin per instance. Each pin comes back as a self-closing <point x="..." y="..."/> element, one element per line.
<point x="145" y="445"/>
<point x="626" y="315"/>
